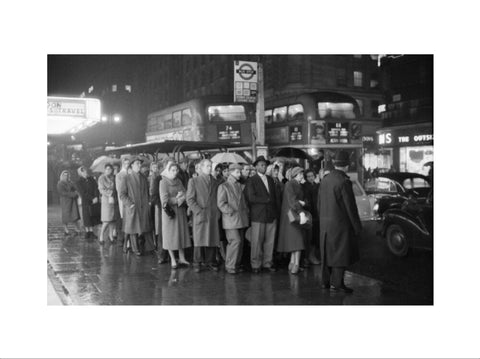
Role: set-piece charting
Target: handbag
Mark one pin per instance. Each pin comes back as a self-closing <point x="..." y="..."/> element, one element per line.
<point x="294" y="217"/>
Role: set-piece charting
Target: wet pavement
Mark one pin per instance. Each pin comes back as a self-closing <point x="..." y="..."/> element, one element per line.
<point x="91" y="274"/>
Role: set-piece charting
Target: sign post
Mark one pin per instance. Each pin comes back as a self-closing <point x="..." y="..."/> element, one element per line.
<point x="248" y="88"/>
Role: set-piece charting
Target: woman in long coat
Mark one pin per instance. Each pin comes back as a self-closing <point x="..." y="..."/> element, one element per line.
<point x="292" y="236"/>
<point x="68" y="202"/>
<point x="109" y="210"/>
<point x="174" y="215"/>
<point x="88" y="189"/>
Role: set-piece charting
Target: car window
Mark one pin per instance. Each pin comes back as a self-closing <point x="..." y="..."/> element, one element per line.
<point x="420" y="183"/>
<point x="407" y="184"/>
<point x="381" y="185"/>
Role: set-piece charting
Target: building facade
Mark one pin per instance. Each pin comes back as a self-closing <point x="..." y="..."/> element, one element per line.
<point x="405" y="140"/>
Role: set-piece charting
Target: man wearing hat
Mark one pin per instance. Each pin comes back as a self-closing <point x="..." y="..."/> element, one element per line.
<point x="133" y="192"/>
<point x="231" y="202"/>
<point x="260" y="192"/>
<point x="340" y="225"/>
<point x="118" y="180"/>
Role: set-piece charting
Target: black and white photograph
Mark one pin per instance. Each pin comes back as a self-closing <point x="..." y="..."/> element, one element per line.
<point x="224" y="179"/>
<point x="149" y="201"/>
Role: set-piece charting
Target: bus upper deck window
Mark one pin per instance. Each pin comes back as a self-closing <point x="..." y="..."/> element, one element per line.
<point x="177" y="119"/>
<point x="295" y="112"/>
<point x="227" y="113"/>
<point x="337" y="110"/>
<point x="280" y="114"/>
<point x="186" y="117"/>
<point x="268" y="116"/>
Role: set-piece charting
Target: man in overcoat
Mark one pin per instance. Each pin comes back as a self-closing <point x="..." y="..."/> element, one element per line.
<point x="260" y="192"/>
<point x="340" y="225"/>
<point x="232" y="204"/>
<point x="133" y="192"/>
<point x="202" y="201"/>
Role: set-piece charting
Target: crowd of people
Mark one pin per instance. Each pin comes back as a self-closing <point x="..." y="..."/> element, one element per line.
<point x="281" y="214"/>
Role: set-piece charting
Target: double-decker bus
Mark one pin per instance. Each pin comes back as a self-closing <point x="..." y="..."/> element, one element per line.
<point x="210" y="119"/>
<point x="317" y="122"/>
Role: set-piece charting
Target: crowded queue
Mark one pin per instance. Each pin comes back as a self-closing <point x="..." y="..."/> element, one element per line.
<point x="282" y="215"/>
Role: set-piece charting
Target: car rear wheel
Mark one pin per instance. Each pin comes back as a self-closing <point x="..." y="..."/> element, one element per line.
<point x="397" y="240"/>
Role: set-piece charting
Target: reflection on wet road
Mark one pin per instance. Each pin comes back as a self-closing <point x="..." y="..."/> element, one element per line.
<point x="95" y="274"/>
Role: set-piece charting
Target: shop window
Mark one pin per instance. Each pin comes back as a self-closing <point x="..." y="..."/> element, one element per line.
<point x="128" y="88"/>
<point x="295" y="112"/>
<point x="280" y="114"/>
<point x="114" y="88"/>
<point x="268" y="116"/>
<point x="357" y="78"/>
<point x="226" y="113"/>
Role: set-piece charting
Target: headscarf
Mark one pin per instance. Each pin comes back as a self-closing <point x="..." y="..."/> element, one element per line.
<point x="61" y="175"/>
<point x="165" y="173"/>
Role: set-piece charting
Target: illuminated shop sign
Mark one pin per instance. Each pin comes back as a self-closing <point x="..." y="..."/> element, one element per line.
<point x="387" y="138"/>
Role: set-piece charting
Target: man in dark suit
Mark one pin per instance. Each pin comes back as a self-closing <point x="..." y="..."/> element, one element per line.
<point x="260" y="192"/>
<point x="340" y="225"/>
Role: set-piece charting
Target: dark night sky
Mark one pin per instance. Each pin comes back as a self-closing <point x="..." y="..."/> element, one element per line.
<point x="69" y="75"/>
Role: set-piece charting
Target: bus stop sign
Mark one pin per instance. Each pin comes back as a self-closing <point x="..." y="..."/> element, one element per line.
<point x="245" y="77"/>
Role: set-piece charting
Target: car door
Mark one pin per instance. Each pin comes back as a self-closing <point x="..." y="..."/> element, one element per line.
<point x="364" y="203"/>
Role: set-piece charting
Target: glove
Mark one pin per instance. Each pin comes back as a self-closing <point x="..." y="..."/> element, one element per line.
<point x="169" y="211"/>
<point x="303" y="218"/>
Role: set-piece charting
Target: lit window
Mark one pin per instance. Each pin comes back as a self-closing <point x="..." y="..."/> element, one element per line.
<point x="114" y="88"/>
<point x="357" y="78"/>
<point x="373" y="83"/>
<point x="295" y="112"/>
<point x="337" y="110"/>
<point x="360" y="104"/>
<point x="177" y="119"/>
<point x="268" y="116"/>
<point x="128" y="88"/>
<point x="280" y="114"/>
<point x="90" y="89"/>
<point x="186" y="117"/>
<point x="227" y="113"/>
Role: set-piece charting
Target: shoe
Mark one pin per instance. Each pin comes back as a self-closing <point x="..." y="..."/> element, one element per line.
<point x="213" y="268"/>
<point x="325" y="285"/>
<point x="232" y="271"/>
<point x="314" y="261"/>
<point x="295" y="269"/>
<point x="342" y="289"/>
<point x="272" y="269"/>
<point x="174" y="266"/>
<point x="256" y="270"/>
<point x="196" y="269"/>
<point x="186" y="264"/>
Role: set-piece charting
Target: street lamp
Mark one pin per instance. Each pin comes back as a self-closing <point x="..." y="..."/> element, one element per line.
<point x="104" y="118"/>
<point x="116" y="118"/>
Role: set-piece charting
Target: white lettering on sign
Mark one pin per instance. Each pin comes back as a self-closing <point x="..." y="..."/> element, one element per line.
<point x="403" y="139"/>
<point x="420" y="138"/>
<point x="385" y="139"/>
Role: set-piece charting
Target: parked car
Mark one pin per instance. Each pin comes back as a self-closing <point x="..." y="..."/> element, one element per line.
<point x="409" y="226"/>
<point x="364" y="202"/>
<point x="390" y="190"/>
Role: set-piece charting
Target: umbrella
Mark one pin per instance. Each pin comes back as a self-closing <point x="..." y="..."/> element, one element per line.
<point x="99" y="164"/>
<point x="228" y="157"/>
<point x="291" y="152"/>
<point x="428" y="164"/>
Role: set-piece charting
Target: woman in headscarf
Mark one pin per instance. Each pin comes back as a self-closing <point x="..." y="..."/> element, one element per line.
<point x="88" y="189"/>
<point x="109" y="210"/>
<point x="68" y="202"/>
<point x="174" y="214"/>
<point x="292" y="235"/>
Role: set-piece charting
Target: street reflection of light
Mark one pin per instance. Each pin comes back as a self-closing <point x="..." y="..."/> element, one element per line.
<point x="116" y="118"/>
<point x="104" y="118"/>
